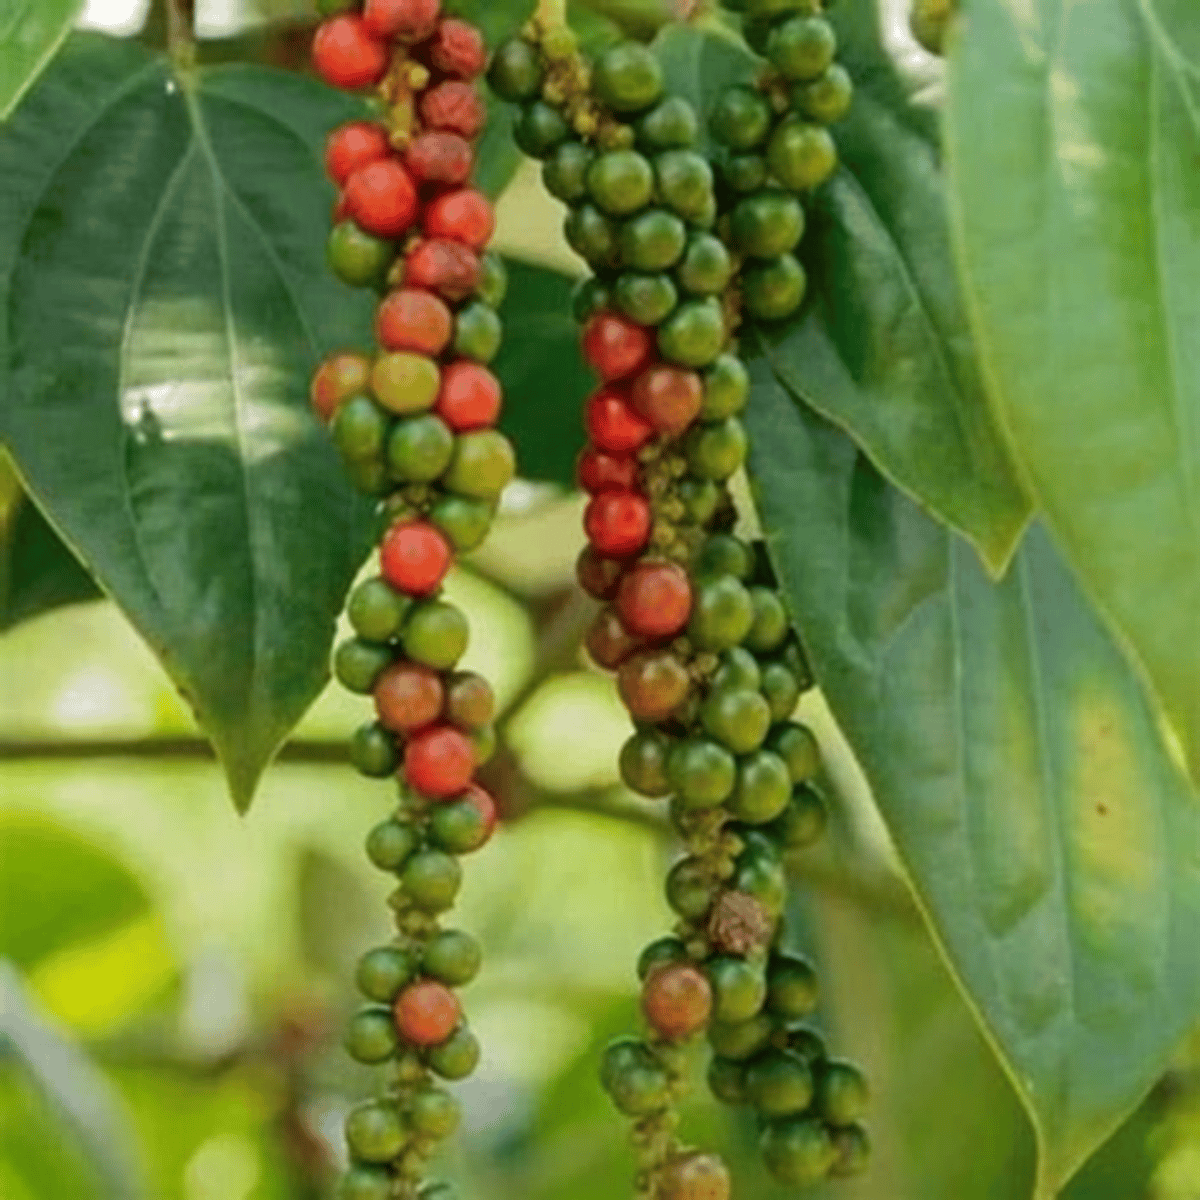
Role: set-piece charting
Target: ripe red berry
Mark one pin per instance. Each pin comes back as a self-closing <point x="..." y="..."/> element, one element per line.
<point x="608" y="641"/>
<point x="439" y="762"/>
<point x="485" y="805"/>
<point x="347" y="55"/>
<point x="470" y="397"/>
<point x="463" y="216"/>
<point x="458" y="49"/>
<point x="353" y="145"/>
<point x="382" y="198"/>
<point x="597" y="471"/>
<point x="677" y="1000"/>
<point x="655" y="599"/>
<point x="406" y="20"/>
<point x="455" y="107"/>
<point x="668" y="397"/>
<point x="615" y="347"/>
<point x="613" y="425"/>
<point x="426" y="1013"/>
<point x="338" y="378"/>
<point x="415" y="320"/>
<point x="448" y="268"/>
<point x="408" y="697"/>
<point x="443" y="158"/>
<point x="653" y="684"/>
<point x="414" y="557"/>
<point x="618" y="523"/>
<point x="597" y="575"/>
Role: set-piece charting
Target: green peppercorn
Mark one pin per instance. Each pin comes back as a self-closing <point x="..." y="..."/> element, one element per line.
<point x="482" y="465"/>
<point x="493" y="280"/>
<point x="827" y="99"/>
<point x="694" y="335"/>
<point x="376" y="610"/>
<point x="431" y="879"/>
<point x="620" y="182"/>
<point x="722" y="613"/>
<point x="804" y="820"/>
<point x="798" y="1151"/>
<point x="358" y="664"/>
<point x="391" y="843"/>
<point x="371" y="1035"/>
<point x="643" y="763"/>
<point x="739" y="988"/>
<point x="761" y="875"/>
<point x="592" y="295"/>
<point x="382" y="972"/>
<point x="477" y="332"/>
<point x="798" y="747"/>
<point x="360" y="429"/>
<point x="842" y="1092"/>
<point x="373" y="751"/>
<point x="723" y="553"/>
<point x="452" y="957"/>
<point x="685" y="182"/>
<point x="640" y="1089"/>
<point x="464" y="520"/>
<point x="802" y="47"/>
<point x="671" y="124"/>
<point x="433" y="1113"/>
<point x="627" y="77"/>
<point x="801" y="155"/>
<point x="357" y="258"/>
<point x="763" y="788"/>
<point x="645" y="299"/>
<point x="727" y="1080"/>
<point x="700" y="498"/>
<point x="458" y="827"/>
<point x="779" y="1083"/>
<point x="716" y="449"/>
<point x="435" y="634"/>
<point x="592" y="236"/>
<point x="702" y="772"/>
<point x="781" y="689"/>
<point x="768" y="223"/>
<point x="808" y="1043"/>
<point x="540" y="129"/>
<point x="457" y="1056"/>
<point x="565" y="172"/>
<point x="419" y="449"/>
<point x="706" y="268"/>
<point x="741" y="118"/>
<point x="791" y="986"/>
<point x="689" y="890"/>
<point x="738" y="718"/>
<point x="774" y="289"/>
<point x="745" y="173"/>
<point x="375" y="1132"/>
<point x="852" y="1146"/>
<point x="726" y="389"/>
<point x="653" y="240"/>
<point x="516" y="72"/>
<point x="771" y="626"/>
<point x="739" y="1040"/>
<point x="366" y="1183"/>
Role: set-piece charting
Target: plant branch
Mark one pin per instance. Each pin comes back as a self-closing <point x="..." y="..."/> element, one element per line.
<point x="181" y="31"/>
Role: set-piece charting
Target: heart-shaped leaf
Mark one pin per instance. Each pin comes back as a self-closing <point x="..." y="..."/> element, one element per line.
<point x="30" y="33"/>
<point x="1054" y="847"/>
<point x="1073" y="141"/>
<point x="166" y="297"/>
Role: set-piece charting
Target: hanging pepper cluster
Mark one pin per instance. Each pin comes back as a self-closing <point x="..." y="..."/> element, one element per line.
<point x="692" y="623"/>
<point x="415" y="425"/>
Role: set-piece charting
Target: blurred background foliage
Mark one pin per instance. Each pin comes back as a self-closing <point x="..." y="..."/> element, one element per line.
<point x="173" y="977"/>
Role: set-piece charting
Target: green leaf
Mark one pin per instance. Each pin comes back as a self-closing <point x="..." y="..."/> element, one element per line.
<point x="1051" y="842"/>
<point x="1073" y="141"/>
<point x="166" y="297"/>
<point x="57" y="890"/>
<point x="882" y="346"/>
<point x="31" y="31"/>
<point x="544" y="377"/>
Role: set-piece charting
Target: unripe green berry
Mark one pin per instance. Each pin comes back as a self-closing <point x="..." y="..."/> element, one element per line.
<point x="452" y="957"/>
<point x="391" y="843"/>
<point x="371" y="1035"/>
<point x="516" y="72"/>
<point x="434" y="1113"/>
<point x="358" y="664"/>
<point x="357" y="258"/>
<point x="375" y="1132"/>
<point x="457" y="1056"/>
<point x="802" y="47"/>
<point x="565" y="172"/>
<point x="804" y="820"/>
<point x="797" y="746"/>
<point x="791" y="987"/>
<point x="373" y="751"/>
<point x="671" y="124"/>
<point x="763" y="788"/>
<point x="717" y="449"/>
<point x="781" y="689"/>
<point x="722" y="613"/>
<point x="737" y="718"/>
<point x="779" y="1083"/>
<point x="827" y="99"/>
<point x="726" y="389"/>
<point x="740" y="1040"/>
<point x="771" y="626"/>
<point x="540" y="129"/>
<point x="477" y="332"/>
<point x="842" y="1093"/>
<point x="493" y="280"/>
<point x="435" y="634"/>
<point x="741" y="118"/>
<point x="382" y="972"/>
<point x="366" y="1183"/>
<point x="653" y="240"/>
<point x="627" y="77"/>
<point x="464" y="520"/>
<point x="419" y="449"/>
<point x="482" y="466"/>
<point x="798" y="1151"/>
<point x="685" y="183"/>
<point x="706" y="268"/>
<point x="620" y="182"/>
<point x="689" y="890"/>
<point x="643" y="763"/>
<point x="360" y="429"/>
<point x="431" y="879"/>
<point x="739" y="988"/>
<point x="702" y="772"/>
<point x="661" y="953"/>
<point x="801" y="155"/>
<point x="694" y="335"/>
<point x="774" y="289"/>
<point x="645" y="299"/>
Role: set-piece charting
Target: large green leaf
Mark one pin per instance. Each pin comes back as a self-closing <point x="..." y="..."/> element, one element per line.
<point x="882" y="346"/>
<point x="166" y="297"/>
<point x="1053" y="845"/>
<point x="544" y="377"/>
<point x="1073" y="136"/>
<point x="30" y="33"/>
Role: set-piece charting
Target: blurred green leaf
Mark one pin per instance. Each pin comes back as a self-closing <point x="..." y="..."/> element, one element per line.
<point x="31" y="31"/>
<point x="544" y="376"/>
<point x="161" y="254"/>
<point x="1073" y="146"/>
<point x="1051" y="842"/>
<point x="83" y="1098"/>
<point x="57" y="890"/>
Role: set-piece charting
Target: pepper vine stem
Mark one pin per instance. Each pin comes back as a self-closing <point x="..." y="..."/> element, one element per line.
<point x="181" y="32"/>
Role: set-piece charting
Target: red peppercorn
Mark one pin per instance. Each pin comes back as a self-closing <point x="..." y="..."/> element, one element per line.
<point x="442" y="158"/>
<point x="677" y="1000"/>
<point x="408" y="697"/>
<point x="668" y="397"/>
<point x="463" y="216"/>
<point x="458" y="49"/>
<point x="615" y="347"/>
<point x="455" y="107"/>
<point x="597" y="471"/>
<point x="346" y="54"/>
<point x="354" y="145"/>
<point x="448" y="268"/>
<point x="653" y="684"/>
<point x="608" y="641"/>
<point x="415" y="320"/>
<point x="439" y="762"/>
<point x="597" y="575"/>
<point x="485" y="805"/>
<point x="613" y="425"/>
<point x="617" y="523"/>
<point x="338" y="378"/>
<point x="655" y="599"/>
<point x="414" y="557"/>
<point x="470" y="397"/>
<point x="382" y="198"/>
<point x="405" y="20"/>
<point x="426" y="1013"/>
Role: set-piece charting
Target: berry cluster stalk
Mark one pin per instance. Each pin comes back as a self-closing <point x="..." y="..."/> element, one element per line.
<point x="693" y="624"/>
<point x="414" y="423"/>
